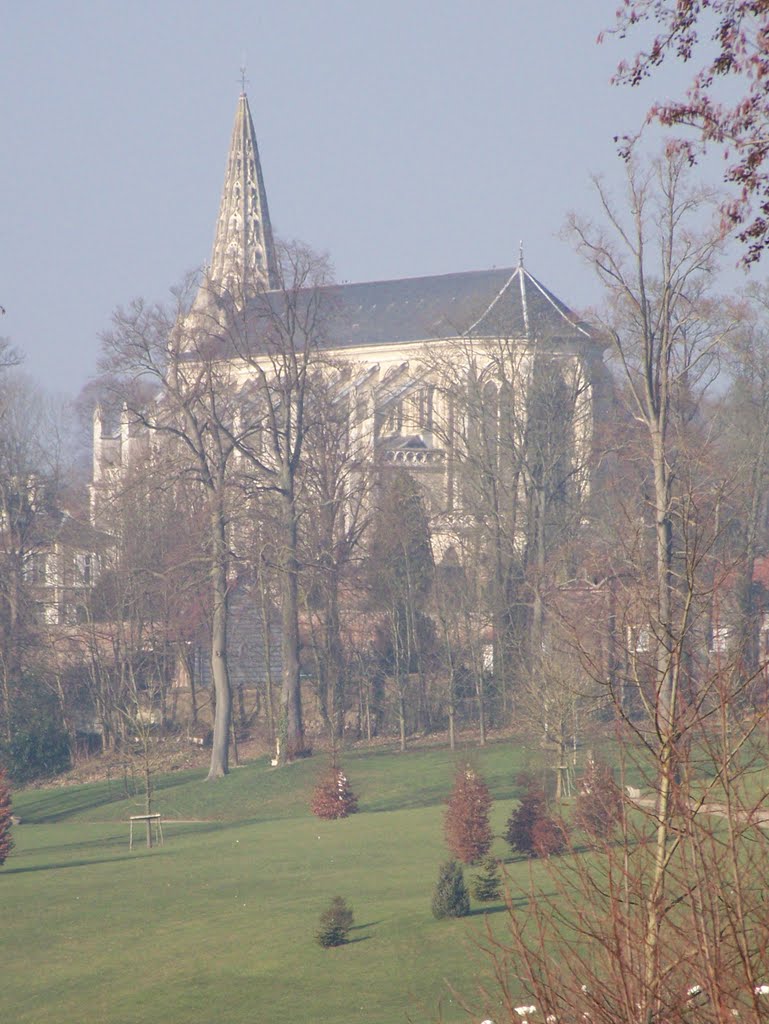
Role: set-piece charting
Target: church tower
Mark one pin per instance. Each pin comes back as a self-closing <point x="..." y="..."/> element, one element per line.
<point x="243" y="261"/>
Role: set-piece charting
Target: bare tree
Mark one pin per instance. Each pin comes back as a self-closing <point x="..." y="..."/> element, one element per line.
<point x="31" y="467"/>
<point x="400" y="573"/>
<point x="192" y="412"/>
<point x="335" y="493"/>
<point x="667" y="923"/>
<point x="274" y="339"/>
<point x="652" y="261"/>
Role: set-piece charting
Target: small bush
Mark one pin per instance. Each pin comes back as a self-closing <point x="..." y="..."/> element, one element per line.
<point x="466" y="825"/>
<point x="598" y="807"/>
<point x="520" y="824"/>
<point x="487" y="884"/>
<point x="548" y="837"/>
<point x="6" y="842"/>
<point x="335" y="923"/>
<point x="333" y="796"/>
<point x="450" y="896"/>
<point x="37" y="751"/>
<point x="532" y="831"/>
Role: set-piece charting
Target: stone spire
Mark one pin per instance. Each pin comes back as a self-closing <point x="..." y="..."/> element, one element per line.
<point x="243" y="259"/>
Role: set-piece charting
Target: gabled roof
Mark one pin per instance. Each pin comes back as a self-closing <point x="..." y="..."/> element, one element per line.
<point x="58" y="527"/>
<point x="499" y="303"/>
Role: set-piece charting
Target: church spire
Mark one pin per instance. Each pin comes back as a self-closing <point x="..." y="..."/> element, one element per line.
<point x="243" y="258"/>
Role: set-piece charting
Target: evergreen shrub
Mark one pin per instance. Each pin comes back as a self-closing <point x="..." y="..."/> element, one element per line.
<point x="487" y="884"/>
<point x="450" y="896"/>
<point x="335" y="922"/>
<point x="38" y="750"/>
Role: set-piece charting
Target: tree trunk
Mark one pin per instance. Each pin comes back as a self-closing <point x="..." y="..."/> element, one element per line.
<point x="402" y="720"/>
<point x="291" y="697"/>
<point x="479" y="690"/>
<point x="219" y="667"/>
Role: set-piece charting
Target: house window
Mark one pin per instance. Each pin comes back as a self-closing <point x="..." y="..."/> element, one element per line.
<point x="639" y="639"/>
<point x="36" y="568"/>
<point x="83" y="568"/>
<point x="720" y="641"/>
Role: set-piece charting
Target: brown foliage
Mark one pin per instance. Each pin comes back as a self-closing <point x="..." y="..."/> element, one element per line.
<point x="333" y="797"/>
<point x="598" y="807"/>
<point x="466" y="825"/>
<point x="531" y="830"/>
<point x="548" y="836"/>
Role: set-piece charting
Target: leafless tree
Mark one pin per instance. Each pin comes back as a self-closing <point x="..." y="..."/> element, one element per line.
<point x="274" y="341"/>
<point x="335" y="499"/>
<point x="668" y="922"/>
<point x="191" y="419"/>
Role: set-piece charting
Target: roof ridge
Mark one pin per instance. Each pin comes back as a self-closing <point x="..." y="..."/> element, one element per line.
<point x="560" y="307"/>
<point x="493" y="302"/>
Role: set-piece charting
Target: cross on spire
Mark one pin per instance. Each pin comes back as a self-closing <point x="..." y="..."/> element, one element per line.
<point x="243" y="78"/>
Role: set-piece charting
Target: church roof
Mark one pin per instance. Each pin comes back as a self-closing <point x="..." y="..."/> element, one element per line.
<point x="499" y="303"/>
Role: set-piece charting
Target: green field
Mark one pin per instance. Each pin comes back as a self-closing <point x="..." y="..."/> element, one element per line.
<point x="218" y="923"/>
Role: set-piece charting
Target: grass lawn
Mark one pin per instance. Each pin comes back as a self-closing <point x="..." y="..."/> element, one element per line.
<point x="218" y="924"/>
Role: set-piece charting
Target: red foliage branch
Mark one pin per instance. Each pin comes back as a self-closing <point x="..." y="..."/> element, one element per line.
<point x="739" y="32"/>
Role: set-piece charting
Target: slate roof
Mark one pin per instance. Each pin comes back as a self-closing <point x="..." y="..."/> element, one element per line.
<point x="55" y="526"/>
<point x="500" y="303"/>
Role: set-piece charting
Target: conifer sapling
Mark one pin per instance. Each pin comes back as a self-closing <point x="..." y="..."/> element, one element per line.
<point x="531" y="830"/>
<point x="333" y="796"/>
<point x="466" y="825"/>
<point x="487" y="884"/>
<point x="450" y="896"/>
<point x="335" y="922"/>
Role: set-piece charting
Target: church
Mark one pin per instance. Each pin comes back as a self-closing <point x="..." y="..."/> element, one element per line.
<point x="404" y="344"/>
<point x="475" y="392"/>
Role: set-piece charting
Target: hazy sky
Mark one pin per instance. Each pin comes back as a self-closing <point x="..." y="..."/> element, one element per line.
<point x="403" y="137"/>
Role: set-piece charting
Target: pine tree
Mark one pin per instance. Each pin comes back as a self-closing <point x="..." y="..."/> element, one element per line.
<point x="450" y="897"/>
<point x="487" y="885"/>
<point x="333" y="796"/>
<point x="466" y="825"/>
<point x="335" y="923"/>
<point x="6" y="842"/>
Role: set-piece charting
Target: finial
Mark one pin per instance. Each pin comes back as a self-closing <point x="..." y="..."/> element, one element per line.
<point x="243" y="78"/>
<point x="520" y="254"/>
